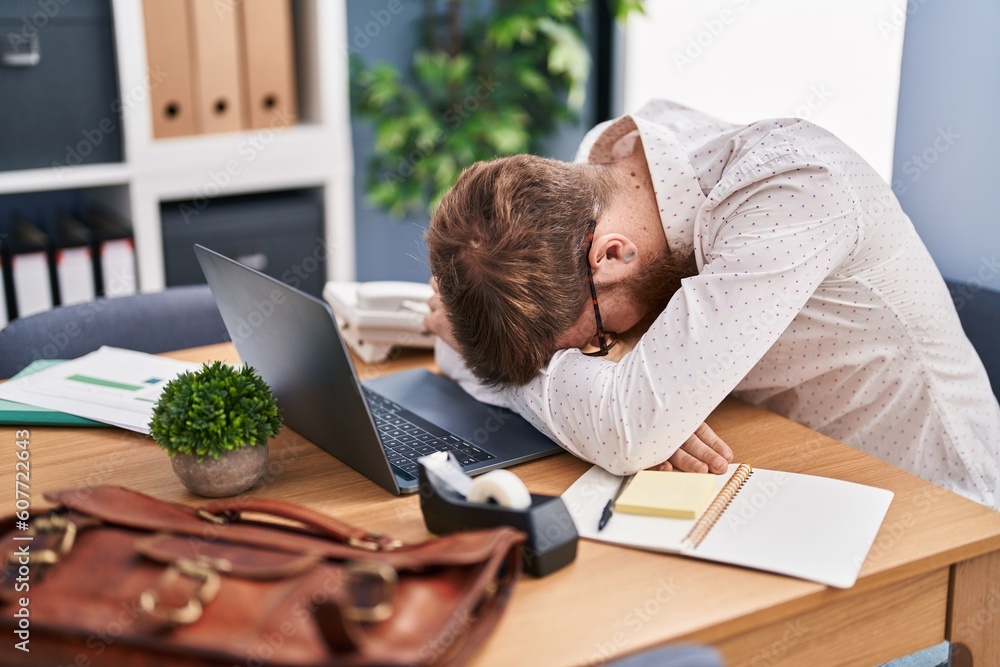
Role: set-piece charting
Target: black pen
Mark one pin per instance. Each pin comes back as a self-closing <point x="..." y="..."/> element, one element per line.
<point x="606" y="514"/>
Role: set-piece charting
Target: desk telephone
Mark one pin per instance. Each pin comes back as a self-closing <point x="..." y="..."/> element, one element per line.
<point x="377" y="316"/>
<point x="394" y="296"/>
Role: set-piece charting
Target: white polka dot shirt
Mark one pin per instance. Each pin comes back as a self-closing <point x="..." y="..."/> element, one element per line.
<point x="815" y="299"/>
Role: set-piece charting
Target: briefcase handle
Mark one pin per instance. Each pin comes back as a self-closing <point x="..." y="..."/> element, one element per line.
<point x="230" y="511"/>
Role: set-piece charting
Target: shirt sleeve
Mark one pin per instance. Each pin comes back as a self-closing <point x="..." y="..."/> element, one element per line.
<point x="769" y="245"/>
<point x="449" y="361"/>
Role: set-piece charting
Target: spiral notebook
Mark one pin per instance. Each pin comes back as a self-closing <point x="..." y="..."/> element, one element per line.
<point x="804" y="526"/>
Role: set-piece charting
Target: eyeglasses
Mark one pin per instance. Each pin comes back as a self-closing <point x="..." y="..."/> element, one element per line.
<point x="605" y="339"/>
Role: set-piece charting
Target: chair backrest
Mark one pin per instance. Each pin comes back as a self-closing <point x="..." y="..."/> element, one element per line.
<point x="176" y="318"/>
<point x="672" y="656"/>
<point x="979" y="310"/>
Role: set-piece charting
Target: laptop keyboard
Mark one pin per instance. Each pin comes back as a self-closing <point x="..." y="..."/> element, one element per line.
<point x="406" y="437"/>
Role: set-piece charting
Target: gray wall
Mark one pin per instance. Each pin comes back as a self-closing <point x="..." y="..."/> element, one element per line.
<point x="390" y="248"/>
<point x="947" y="139"/>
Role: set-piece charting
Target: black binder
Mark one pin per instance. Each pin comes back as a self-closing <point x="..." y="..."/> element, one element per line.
<point x="6" y="286"/>
<point x="74" y="261"/>
<point x="110" y="241"/>
<point x="32" y="269"/>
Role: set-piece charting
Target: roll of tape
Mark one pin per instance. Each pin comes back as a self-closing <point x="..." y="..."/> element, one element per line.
<point x="503" y="487"/>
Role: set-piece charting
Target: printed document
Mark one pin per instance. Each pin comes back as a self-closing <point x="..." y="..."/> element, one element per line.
<point x="114" y="386"/>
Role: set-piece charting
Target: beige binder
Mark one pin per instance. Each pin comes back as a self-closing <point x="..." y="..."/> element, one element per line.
<point x="269" y="62"/>
<point x="216" y="66"/>
<point x="168" y="55"/>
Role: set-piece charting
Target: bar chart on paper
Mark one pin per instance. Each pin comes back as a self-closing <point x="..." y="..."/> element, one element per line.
<point x="113" y="386"/>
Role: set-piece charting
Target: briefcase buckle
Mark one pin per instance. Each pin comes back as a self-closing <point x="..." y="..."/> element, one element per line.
<point x="203" y="570"/>
<point x="371" y="591"/>
<point x="52" y="523"/>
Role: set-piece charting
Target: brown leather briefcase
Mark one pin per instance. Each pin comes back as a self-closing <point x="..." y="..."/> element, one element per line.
<point x="114" y="577"/>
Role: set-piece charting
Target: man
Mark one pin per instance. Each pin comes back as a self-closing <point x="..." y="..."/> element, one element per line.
<point x="767" y="260"/>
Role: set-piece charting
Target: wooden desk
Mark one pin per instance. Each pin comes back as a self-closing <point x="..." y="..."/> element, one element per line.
<point x="933" y="572"/>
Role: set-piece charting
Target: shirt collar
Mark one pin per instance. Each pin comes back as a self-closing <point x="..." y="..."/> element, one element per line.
<point x="675" y="183"/>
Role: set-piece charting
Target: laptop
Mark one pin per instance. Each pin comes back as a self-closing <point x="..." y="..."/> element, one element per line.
<point x="379" y="427"/>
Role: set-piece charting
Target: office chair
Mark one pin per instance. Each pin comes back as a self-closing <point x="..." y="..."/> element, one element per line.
<point x="177" y="318"/>
<point x="979" y="311"/>
<point x="672" y="656"/>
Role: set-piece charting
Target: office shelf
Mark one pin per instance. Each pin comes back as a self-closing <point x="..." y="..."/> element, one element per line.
<point x="65" y="178"/>
<point x="315" y="154"/>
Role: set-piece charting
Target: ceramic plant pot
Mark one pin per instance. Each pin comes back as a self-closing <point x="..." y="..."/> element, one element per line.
<point x="232" y="473"/>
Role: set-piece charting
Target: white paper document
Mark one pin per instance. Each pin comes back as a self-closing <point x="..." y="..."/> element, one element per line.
<point x="805" y="526"/>
<point x="114" y="386"/>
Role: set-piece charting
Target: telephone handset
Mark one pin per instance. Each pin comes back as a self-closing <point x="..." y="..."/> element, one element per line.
<point x="394" y="295"/>
<point x="378" y="316"/>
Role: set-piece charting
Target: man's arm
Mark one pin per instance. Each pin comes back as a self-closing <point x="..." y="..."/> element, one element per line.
<point x="768" y="248"/>
<point x="703" y="451"/>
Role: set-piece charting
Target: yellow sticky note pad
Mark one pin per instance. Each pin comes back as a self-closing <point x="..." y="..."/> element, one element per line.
<point x="679" y="495"/>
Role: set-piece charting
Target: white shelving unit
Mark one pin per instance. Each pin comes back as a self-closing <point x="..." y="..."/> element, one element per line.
<point x="316" y="153"/>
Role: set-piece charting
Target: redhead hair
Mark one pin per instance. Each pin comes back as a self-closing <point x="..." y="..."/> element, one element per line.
<point x="508" y="246"/>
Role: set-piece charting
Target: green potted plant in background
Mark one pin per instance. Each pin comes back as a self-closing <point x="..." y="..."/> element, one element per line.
<point x="487" y="79"/>
<point x="215" y="424"/>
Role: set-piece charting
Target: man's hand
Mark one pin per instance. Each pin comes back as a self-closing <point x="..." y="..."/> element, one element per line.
<point x="702" y="452"/>
<point x="437" y="322"/>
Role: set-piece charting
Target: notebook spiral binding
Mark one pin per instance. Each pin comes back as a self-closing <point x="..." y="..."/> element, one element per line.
<point x="702" y="527"/>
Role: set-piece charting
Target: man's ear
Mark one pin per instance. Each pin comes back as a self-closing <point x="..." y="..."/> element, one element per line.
<point x="613" y="254"/>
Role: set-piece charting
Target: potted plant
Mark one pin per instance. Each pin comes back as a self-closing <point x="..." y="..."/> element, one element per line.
<point x="487" y="79"/>
<point x="215" y="424"/>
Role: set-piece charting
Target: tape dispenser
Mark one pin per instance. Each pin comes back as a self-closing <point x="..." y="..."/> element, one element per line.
<point x="452" y="501"/>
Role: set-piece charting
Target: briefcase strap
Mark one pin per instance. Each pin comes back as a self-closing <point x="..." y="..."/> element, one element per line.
<point x="117" y="506"/>
<point x="230" y="511"/>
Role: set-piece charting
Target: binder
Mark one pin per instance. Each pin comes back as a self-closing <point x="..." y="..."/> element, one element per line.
<point x="74" y="261"/>
<point x="5" y="283"/>
<point x="168" y="55"/>
<point x="31" y="271"/>
<point x="269" y="62"/>
<point x="804" y="526"/>
<point x="114" y="254"/>
<point x="216" y="67"/>
<point x="22" y="414"/>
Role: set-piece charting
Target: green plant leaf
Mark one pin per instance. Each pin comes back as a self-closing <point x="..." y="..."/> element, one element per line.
<point x="445" y="172"/>
<point x="390" y="135"/>
<point x="563" y="10"/>
<point x="532" y="80"/>
<point x="430" y="67"/>
<point x="568" y="56"/>
<point x="506" y="31"/>
<point x="213" y="410"/>
<point x="383" y="86"/>
<point x="621" y="9"/>
<point x="508" y="138"/>
<point x="457" y="69"/>
<point x="493" y="82"/>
